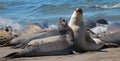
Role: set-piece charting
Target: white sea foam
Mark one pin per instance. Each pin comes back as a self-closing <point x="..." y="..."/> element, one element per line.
<point x="53" y="26"/>
<point x="108" y="6"/>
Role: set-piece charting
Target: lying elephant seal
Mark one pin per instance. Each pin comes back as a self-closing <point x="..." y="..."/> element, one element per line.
<point x="63" y="29"/>
<point x="27" y="31"/>
<point x="54" y="45"/>
<point x="99" y="30"/>
<point x="7" y="33"/>
<point x="114" y="27"/>
<point x="33" y="28"/>
<point x="4" y="36"/>
<point x="112" y="34"/>
<point x="89" y="24"/>
<point x="83" y="41"/>
<point x="21" y="41"/>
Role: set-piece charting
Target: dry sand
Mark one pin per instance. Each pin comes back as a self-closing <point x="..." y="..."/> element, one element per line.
<point x="110" y="54"/>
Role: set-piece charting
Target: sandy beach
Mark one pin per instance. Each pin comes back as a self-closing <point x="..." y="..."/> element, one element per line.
<point x="109" y="54"/>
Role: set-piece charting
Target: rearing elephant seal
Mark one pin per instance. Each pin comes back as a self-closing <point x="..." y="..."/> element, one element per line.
<point x="54" y="45"/>
<point x="83" y="42"/>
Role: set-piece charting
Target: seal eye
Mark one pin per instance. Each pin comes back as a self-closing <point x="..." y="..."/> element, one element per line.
<point x="6" y="29"/>
<point x="63" y="20"/>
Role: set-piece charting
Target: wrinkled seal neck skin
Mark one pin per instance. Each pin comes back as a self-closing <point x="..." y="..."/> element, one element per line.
<point x="77" y="25"/>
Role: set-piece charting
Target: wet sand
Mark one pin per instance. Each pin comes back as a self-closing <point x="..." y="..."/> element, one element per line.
<point x="109" y="54"/>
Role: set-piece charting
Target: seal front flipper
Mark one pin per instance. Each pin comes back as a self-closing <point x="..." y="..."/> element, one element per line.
<point x="12" y="55"/>
<point x="110" y="45"/>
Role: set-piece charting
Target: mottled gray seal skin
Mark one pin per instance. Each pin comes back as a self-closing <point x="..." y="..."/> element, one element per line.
<point x="28" y="33"/>
<point x="112" y="34"/>
<point x="112" y="38"/>
<point x="99" y="30"/>
<point x="21" y="42"/>
<point x="54" y="45"/>
<point x="114" y="27"/>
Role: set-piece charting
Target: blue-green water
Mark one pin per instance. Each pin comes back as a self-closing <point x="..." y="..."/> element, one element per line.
<point x="25" y="11"/>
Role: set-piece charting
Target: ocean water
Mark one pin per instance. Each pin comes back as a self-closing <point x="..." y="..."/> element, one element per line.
<point x="21" y="12"/>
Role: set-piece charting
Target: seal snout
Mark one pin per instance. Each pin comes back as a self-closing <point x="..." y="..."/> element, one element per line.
<point x="79" y="10"/>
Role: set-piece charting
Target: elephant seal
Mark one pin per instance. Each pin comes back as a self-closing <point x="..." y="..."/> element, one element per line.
<point x="114" y="27"/>
<point x="10" y="29"/>
<point x="89" y="24"/>
<point x="26" y="33"/>
<point x="4" y="36"/>
<point x="54" y="45"/>
<point x="111" y="38"/>
<point x="34" y="27"/>
<point x="99" y="30"/>
<point x="7" y="33"/>
<point x="22" y="41"/>
<point x="112" y="34"/>
<point x="63" y="30"/>
<point x="83" y="41"/>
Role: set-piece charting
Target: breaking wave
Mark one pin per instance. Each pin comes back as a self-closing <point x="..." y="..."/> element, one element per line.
<point x="108" y="6"/>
